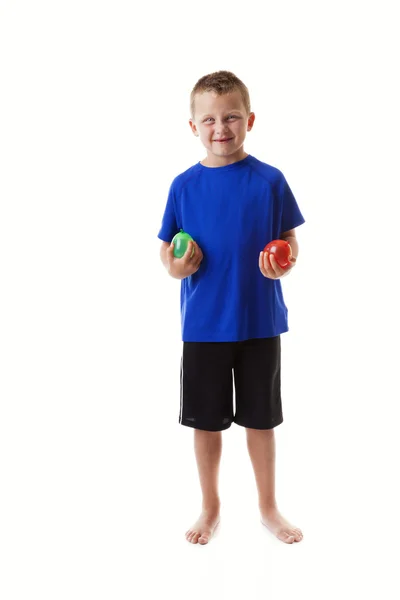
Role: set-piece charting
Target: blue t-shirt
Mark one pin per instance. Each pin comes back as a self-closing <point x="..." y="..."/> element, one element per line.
<point x="232" y="212"/>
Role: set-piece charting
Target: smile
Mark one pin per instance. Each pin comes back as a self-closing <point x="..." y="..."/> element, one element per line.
<point x="223" y="141"/>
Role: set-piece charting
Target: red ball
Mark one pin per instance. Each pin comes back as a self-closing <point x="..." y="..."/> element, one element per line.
<point x="281" y="251"/>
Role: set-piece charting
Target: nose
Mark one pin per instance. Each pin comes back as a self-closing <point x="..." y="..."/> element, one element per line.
<point x="220" y="126"/>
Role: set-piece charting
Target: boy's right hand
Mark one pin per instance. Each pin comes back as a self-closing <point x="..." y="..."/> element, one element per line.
<point x="179" y="268"/>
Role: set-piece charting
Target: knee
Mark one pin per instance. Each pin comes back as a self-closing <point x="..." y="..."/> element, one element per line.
<point x="268" y="433"/>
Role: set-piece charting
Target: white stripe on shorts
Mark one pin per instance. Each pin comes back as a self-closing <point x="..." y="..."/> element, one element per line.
<point x="181" y="407"/>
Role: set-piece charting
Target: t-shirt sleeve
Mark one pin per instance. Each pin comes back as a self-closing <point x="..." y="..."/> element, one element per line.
<point x="169" y="226"/>
<point x="291" y="216"/>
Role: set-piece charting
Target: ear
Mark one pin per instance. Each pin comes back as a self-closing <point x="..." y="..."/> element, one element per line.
<point x="193" y="128"/>
<point x="250" y="121"/>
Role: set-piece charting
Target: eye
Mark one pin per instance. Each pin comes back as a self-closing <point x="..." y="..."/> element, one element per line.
<point x="205" y="120"/>
<point x="233" y="117"/>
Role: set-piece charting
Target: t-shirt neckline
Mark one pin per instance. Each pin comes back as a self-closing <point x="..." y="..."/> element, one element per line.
<point x="235" y="165"/>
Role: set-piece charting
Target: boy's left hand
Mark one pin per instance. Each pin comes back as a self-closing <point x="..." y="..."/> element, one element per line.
<point x="272" y="270"/>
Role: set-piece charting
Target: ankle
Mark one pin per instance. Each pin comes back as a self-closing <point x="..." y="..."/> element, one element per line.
<point x="268" y="506"/>
<point x="211" y="504"/>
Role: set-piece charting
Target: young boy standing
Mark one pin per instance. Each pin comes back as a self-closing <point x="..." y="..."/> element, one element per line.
<point x="232" y="306"/>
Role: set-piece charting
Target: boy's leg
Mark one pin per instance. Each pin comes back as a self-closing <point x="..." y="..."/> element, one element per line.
<point x="208" y="448"/>
<point x="261" y="446"/>
<point x="207" y="406"/>
<point x="259" y="410"/>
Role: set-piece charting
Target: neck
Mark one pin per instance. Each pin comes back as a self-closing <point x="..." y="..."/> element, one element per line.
<point x="223" y="161"/>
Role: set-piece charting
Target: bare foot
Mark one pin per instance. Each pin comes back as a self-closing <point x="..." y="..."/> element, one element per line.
<point x="284" y="531"/>
<point x="204" y="528"/>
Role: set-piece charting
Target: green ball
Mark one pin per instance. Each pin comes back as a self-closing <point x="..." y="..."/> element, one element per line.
<point x="180" y="241"/>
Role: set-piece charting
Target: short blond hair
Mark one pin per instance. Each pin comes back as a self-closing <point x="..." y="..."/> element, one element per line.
<point x="221" y="82"/>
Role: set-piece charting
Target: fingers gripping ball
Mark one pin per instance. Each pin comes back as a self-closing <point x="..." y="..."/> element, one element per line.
<point x="180" y="241"/>
<point x="281" y="250"/>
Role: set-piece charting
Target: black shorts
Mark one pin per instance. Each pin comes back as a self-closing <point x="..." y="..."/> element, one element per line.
<point x="207" y="370"/>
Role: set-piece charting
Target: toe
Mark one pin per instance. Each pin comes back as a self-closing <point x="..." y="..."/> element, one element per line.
<point x="298" y="536"/>
<point x="195" y="538"/>
<point x="286" y="537"/>
<point x="290" y="539"/>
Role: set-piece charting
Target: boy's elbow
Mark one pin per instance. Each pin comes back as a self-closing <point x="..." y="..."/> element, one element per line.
<point x="164" y="247"/>
<point x="163" y="252"/>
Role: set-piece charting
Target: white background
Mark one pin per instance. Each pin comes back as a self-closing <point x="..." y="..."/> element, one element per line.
<point x="98" y="480"/>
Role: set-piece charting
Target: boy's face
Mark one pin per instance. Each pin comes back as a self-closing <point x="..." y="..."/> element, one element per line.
<point x="221" y="122"/>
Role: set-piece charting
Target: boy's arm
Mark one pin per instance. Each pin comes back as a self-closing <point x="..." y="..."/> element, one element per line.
<point x="290" y="238"/>
<point x="163" y="253"/>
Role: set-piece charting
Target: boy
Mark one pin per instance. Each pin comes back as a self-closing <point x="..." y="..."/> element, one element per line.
<point x="231" y="298"/>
